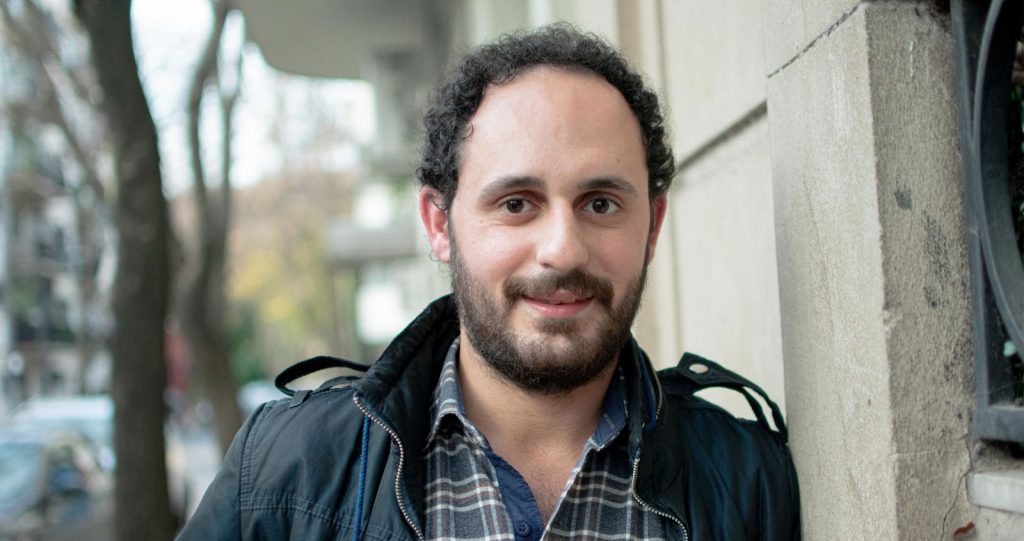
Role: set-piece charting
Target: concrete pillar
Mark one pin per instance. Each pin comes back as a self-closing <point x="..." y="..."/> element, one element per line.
<point x="871" y="265"/>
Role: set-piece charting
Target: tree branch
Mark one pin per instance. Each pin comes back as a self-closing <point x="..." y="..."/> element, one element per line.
<point x="206" y="69"/>
<point x="55" y="110"/>
<point x="228" y="100"/>
<point x="51" y="59"/>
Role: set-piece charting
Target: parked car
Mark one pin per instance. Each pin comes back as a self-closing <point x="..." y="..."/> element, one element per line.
<point x="53" y="488"/>
<point x="92" y="415"/>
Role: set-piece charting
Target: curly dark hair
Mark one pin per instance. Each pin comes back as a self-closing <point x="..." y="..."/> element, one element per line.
<point x="560" y="45"/>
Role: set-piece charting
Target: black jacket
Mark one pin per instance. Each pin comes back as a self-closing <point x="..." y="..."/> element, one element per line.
<point x="345" y="460"/>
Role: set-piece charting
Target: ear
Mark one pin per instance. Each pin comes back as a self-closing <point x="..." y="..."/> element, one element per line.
<point x="658" y="209"/>
<point x="435" y="222"/>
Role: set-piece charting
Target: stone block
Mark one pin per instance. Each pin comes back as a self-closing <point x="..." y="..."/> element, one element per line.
<point x="1002" y="490"/>
<point x="927" y="307"/>
<point x="791" y="26"/>
<point x="831" y="288"/>
<point x="725" y="258"/>
<point x="872" y="274"/>
<point x="716" y="73"/>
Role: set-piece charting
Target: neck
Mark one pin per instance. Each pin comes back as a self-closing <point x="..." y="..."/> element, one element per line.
<point x="518" y="422"/>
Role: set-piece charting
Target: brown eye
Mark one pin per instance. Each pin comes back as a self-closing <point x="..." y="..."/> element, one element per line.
<point x="514" y="206"/>
<point x="602" y="205"/>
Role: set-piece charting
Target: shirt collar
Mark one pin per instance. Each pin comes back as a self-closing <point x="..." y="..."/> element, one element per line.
<point x="448" y="402"/>
<point x="448" y="397"/>
<point x="613" y="412"/>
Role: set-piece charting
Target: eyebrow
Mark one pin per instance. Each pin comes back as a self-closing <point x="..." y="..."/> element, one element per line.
<point x="526" y="182"/>
<point x="509" y="183"/>
<point x="615" y="184"/>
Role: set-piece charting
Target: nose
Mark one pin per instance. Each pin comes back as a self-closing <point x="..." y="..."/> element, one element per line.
<point x="561" y="244"/>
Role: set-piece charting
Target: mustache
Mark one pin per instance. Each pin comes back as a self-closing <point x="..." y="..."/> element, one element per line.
<point x="576" y="281"/>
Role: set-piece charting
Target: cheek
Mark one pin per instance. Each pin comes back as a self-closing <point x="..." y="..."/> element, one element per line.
<point x="622" y="258"/>
<point x="492" y="256"/>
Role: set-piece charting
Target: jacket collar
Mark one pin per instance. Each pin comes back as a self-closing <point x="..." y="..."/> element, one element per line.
<point x="399" y="387"/>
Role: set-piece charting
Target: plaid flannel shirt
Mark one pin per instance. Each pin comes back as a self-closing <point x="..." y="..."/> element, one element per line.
<point x="471" y="493"/>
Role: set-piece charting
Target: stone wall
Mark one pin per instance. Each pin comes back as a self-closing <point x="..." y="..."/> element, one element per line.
<point x="872" y="268"/>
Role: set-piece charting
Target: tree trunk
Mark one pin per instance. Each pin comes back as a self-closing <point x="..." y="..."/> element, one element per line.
<point x="203" y="326"/>
<point x="203" y="301"/>
<point x="143" y="278"/>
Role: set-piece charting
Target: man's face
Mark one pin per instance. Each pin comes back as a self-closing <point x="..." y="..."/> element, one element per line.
<point x="554" y="229"/>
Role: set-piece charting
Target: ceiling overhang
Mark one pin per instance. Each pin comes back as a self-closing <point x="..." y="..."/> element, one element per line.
<point x="331" y="38"/>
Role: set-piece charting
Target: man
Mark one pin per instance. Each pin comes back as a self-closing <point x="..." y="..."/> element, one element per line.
<point x="520" y="408"/>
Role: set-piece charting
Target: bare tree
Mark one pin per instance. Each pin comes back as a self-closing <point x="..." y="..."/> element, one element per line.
<point x="203" y="301"/>
<point x="57" y="83"/>
<point x="143" y="281"/>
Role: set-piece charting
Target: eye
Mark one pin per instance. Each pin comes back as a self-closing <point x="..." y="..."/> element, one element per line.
<point x="515" y="205"/>
<point x="601" y="205"/>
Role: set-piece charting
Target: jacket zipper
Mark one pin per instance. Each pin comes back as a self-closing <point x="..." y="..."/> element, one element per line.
<point x="398" y="471"/>
<point x="636" y="466"/>
<point x="657" y="409"/>
<point x="647" y="507"/>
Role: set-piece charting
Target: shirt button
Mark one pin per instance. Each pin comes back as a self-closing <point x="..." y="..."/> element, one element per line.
<point x="522" y="529"/>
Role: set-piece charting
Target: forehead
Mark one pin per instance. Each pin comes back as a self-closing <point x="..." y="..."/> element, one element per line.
<point x="554" y="88"/>
<point x="553" y="124"/>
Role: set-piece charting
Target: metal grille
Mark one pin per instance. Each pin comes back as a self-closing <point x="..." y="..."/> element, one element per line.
<point x="986" y="34"/>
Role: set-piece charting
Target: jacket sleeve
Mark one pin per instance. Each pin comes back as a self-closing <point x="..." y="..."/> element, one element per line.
<point x="218" y="515"/>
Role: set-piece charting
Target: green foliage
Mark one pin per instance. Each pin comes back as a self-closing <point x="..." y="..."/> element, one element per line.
<point x="24" y="296"/>
<point x="32" y="300"/>
<point x="280" y="268"/>
<point x="246" y="361"/>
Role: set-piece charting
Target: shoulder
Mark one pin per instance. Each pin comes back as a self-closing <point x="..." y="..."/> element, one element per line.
<point x="736" y="448"/>
<point x="736" y="453"/>
<point x="695" y="373"/>
<point x="299" y="458"/>
<point x="285" y="437"/>
<point x="285" y="471"/>
<point x="307" y="416"/>
<point x="724" y="465"/>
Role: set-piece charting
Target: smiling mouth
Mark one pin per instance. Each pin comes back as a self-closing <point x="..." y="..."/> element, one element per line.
<point x="552" y="295"/>
<point x="558" y="305"/>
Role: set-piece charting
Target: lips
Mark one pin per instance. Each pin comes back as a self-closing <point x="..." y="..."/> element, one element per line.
<point x="558" y="297"/>
<point x="558" y="304"/>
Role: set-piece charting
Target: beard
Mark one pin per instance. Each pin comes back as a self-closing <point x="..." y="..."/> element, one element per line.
<point x="537" y="364"/>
